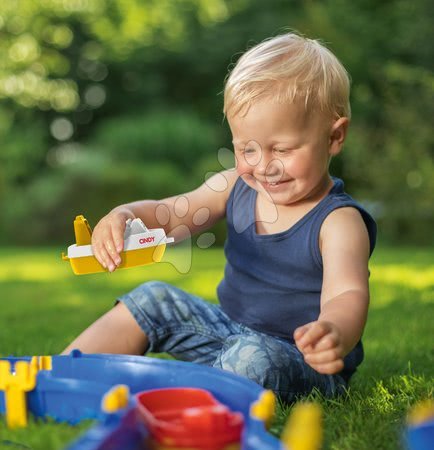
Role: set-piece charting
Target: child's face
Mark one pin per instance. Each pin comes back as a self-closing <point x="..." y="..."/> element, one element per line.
<point x="283" y="152"/>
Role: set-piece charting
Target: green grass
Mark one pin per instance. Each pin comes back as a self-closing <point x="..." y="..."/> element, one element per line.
<point x="44" y="306"/>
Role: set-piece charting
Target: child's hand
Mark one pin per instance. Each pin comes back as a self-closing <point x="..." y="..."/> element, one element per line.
<point x="320" y="343"/>
<point x="108" y="237"/>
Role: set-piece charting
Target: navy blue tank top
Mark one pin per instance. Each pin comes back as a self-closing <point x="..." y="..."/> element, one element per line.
<point x="272" y="283"/>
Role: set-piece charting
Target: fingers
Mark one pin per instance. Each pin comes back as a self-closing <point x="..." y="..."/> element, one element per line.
<point x="118" y="239"/>
<point x="328" y="361"/>
<point x="311" y="334"/>
<point x="110" y="248"/>
<point x="319" y="342"/>
<point x="107" y="243"/>
<point x="328" y="341"/>
<point x="102" y="253"/>
<point x="300" y="331"/>
<point x="324" y="357"/>
<point x="105" y="259"/>
<point x="329" y="368"/>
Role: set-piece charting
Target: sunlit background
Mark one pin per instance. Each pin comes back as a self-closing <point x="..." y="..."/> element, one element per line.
<point x="108" y="101"/>
<point x="105" y="102"/>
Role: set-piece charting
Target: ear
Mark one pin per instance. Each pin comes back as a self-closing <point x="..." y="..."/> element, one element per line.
<point x="338" y="133"/>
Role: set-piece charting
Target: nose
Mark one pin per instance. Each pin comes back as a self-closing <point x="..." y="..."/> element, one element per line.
<point x="269" y="166"/>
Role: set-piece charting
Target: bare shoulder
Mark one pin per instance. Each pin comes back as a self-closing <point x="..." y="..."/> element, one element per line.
<point x="344" y="227"/>
<point x="344" y="245"/>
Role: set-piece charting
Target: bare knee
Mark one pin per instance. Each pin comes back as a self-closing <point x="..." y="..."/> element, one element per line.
<point x="114" y="332"/>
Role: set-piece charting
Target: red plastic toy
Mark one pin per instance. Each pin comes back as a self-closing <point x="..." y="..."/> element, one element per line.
<point x="189" y="418"/>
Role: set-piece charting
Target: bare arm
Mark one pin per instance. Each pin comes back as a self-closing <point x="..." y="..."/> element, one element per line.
<point x="180" y="216"/>
<point x="197" y="210"/>
<point x="345" y="293"/>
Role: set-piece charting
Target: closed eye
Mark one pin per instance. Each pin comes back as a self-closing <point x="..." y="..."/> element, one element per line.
<point x="282" y="151"/>
<point x="246" y="150"/>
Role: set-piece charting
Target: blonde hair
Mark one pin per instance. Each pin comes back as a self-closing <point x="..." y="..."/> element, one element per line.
<point x="289" y="68"/>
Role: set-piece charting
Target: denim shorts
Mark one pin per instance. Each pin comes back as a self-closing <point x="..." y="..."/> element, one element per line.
<point x="191" y="329"/>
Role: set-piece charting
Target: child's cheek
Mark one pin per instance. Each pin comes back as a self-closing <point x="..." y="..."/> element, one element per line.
<point x="236" y="162"/>
<point x="241" y="166"/>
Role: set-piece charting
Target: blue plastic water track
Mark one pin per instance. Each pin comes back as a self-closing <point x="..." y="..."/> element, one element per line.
<point x="73" y="390"/>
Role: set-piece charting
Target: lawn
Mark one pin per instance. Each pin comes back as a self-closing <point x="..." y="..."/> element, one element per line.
<point x="44" y="306"/>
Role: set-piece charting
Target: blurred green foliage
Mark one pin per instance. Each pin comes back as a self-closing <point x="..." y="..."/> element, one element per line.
<point x="105" y="102"/>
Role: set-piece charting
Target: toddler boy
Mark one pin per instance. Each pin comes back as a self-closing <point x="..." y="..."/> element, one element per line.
<point x="295" y="295"/>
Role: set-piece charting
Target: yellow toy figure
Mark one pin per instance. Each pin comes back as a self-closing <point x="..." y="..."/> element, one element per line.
<point x="116" y="398"/>
<point x="264" y="408"/>
<point x="303" y="430"/>
<point x="15" y="385"/>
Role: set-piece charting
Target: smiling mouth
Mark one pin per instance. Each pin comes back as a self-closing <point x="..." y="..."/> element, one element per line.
<point x="268" y="185"/>
<point x="273" y="183"/>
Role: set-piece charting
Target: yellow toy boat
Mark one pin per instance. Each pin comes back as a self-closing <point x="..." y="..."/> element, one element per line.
<point x="141" y="246"/>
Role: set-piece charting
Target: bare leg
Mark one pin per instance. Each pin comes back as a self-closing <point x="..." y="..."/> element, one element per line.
<point x="115" y="332"/>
